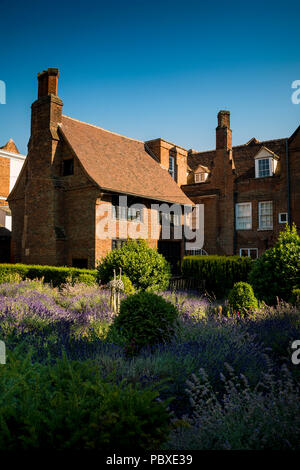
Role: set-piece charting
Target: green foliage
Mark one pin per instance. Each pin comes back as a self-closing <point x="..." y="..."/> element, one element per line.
<point x="67" y="406"/>
<point x="145" y="319"/>
<point x="145" y="267"/>
<point x="241" y="298"/>
<point x="278" y="269"/>
<point x="295" y="297"/>
<point x="85" y="278"/>
<point x="50" y="274"/>
<point x="219" y="272"/>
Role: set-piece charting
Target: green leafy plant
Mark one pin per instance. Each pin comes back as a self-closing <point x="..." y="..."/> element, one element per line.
<point x="85" y="278"/>
<point x="50" y="274"/>
<point x="145" y="319"/>
<point x="278" y="269"/>
<point x="242" y="299"/>
<point x="219" y="272"/>
<point x="67" y="405"/>
<point x="145" y="267"/>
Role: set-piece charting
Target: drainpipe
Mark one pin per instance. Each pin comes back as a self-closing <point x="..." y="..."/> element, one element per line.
<point x="288" y="180"/>
<point x="234" y="226"/>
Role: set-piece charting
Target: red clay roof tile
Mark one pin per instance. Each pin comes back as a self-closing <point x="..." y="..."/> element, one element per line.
<point x="120" y="164"/>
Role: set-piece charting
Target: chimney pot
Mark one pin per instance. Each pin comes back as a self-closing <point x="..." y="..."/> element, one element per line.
<point x="48" y="82"/>
<point x="223" y="131"/>
<point x="224" y="119"/>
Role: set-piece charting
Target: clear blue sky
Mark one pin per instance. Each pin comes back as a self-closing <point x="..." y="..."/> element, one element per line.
<point x="150" y="69"/>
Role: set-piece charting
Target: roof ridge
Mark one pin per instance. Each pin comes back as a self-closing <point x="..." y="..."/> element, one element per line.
<point x="260" y="142"/>
<point x="102" y="129"/>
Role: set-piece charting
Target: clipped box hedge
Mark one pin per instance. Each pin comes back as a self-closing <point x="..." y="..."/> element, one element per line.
<point x="51" y="274"/>
<point x="219" y="272"/>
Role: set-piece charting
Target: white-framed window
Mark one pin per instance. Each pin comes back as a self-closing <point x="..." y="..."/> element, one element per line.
<point x="135" y="214"/>
<point x="169" y="218"/>
<point x="172" y="166"/>
<point x="250" y="252"/>
<point x="243" y="216"/>
<point x="265" y="215"/>
<point x="264" y="167"/>
<point x="200" y="177"/>
<point x="283" y="217"/>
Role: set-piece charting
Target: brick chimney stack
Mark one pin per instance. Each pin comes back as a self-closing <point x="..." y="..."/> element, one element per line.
<point x="47" y="109"/>
<point x="223" y="131"/>
<point x="48" y="82"/>
<point x="42" y="172"/>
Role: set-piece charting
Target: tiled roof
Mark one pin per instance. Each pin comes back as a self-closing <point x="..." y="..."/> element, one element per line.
<point x="10" y="146"/>
<point x="120" y="164"/>
<point x="243" y="156"/>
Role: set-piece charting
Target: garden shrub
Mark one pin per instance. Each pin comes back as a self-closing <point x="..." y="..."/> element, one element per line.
<point x="276" y="327"/>
<point x="67" y="406"/>
<point x="50" y="274"/>
<point x="85" y="278"/>
<point x="145" y="319"/>
<point x="145" y="267"/>
<point x="277" y="270"/>
<point x="266" y="417"/>
<point x="219" y="272"/>
<point x="241" y="298"/>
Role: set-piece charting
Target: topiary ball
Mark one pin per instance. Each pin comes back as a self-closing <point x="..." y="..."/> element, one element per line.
<point x="241" y="298"/>
<point x="145" y="319"/>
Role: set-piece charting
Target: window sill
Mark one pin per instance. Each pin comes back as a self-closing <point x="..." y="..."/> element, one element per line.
<point x="263" y="177"/>
<point x="265" y="229"/>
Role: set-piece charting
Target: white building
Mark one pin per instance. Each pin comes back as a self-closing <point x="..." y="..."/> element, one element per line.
<point x="11" y="162"/>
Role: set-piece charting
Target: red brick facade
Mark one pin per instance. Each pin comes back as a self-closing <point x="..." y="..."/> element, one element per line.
<point x="232" y="180"/>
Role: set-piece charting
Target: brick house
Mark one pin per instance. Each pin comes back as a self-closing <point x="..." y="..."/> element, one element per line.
<point x="72" y="169"/>
<point x="11" y="162"/>
<point x="249" y="191"/>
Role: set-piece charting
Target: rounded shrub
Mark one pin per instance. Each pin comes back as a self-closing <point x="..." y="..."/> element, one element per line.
<point x="277" y="271"/>
<point x="145" y="267"/>
<point x="241" y="298"/>
<point x="145" y="319"/>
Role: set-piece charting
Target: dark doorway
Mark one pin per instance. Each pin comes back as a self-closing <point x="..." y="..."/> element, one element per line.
<point x="81" y="263"/>
<point x="5" y="238"/>
<point x="172" y="252"/>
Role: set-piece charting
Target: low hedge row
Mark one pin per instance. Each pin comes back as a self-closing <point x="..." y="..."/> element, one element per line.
<point x="51" y="274"/>
<point x="220" y="273"/>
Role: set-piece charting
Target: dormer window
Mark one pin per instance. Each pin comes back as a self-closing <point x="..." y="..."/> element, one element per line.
<point x="201" y="174"/>
<point x="264" y="167"/>
<point x="172" y="167"/>
<point x="200" y="177"/>
<point x="265" y="163"/>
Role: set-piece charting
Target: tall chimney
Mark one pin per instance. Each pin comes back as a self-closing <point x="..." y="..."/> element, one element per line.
<point x="40" y="240"/>
<point x="223" y="131"/>
<point x="48" y="82"/>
